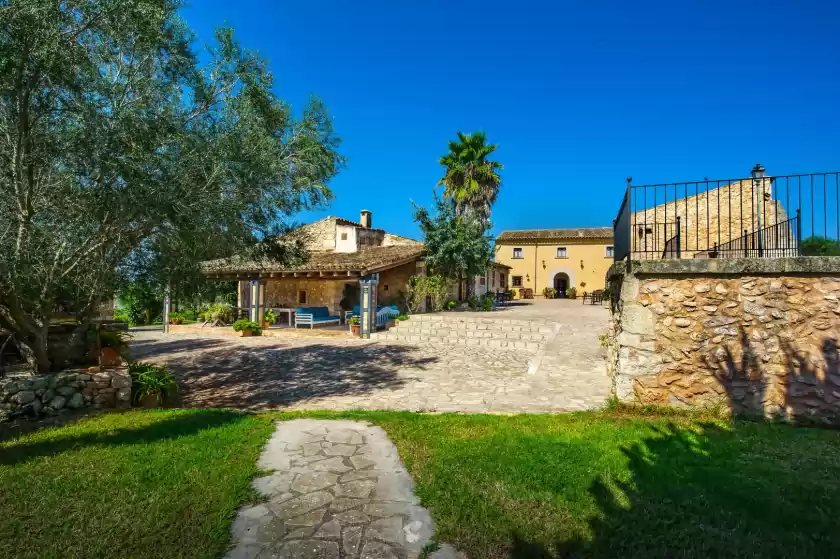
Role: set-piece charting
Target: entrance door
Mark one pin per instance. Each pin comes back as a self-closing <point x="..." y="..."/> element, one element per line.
<point x="561" y="284"/>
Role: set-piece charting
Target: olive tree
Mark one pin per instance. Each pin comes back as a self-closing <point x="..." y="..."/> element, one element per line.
<point x="121" y="144"/>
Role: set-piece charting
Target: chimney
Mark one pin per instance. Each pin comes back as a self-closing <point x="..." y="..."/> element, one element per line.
<point x="366" y="219"/>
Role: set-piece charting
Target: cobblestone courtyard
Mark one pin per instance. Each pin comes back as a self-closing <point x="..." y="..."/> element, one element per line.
<point x="345" y="373"/>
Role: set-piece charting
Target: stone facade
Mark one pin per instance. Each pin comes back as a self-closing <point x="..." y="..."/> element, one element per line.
<point x="69" y="389"/>
<point x="760" y="341"/>
<point x="394" y="281"/>
<point x="715" y="216"/>
<point x="319" y="293"/>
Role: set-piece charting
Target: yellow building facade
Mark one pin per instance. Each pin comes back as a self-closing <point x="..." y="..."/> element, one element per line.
<point x="556" y="258"/>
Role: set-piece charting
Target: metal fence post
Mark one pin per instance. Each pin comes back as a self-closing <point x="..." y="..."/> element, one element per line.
<point x="679" y="239"/>
<point x="799" y="231"/>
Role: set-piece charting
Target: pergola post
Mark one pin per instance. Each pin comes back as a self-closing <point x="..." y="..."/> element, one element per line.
<point x="367" y="305"/>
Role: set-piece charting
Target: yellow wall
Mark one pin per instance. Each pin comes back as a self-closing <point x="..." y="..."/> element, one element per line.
<point x="588" y="277"/>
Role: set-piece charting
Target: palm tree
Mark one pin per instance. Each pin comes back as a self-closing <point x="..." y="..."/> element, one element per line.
<point x="471" y="180"/>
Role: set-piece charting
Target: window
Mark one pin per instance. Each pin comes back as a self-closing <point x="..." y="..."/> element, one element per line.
<point x="344" y="236"/>
<point x="561" y="252"/>
<point x="610" y="252"/>
<point x="482" y="281"/>
<point x="301" y="297"/>
<point x="517" y="253"/>
<point x="385" y="288"/>
<point x="517" y="281"/>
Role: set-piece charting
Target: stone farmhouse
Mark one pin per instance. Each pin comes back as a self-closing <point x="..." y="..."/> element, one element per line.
<point x="341" y="253"/>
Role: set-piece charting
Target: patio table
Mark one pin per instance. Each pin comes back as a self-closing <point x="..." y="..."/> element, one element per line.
<point x="289" y="312"/>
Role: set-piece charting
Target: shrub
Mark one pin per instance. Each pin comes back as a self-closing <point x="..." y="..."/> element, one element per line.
<point x="147" y="379"/>
<point x="451" y="305"/>
<point x="487" y="303"/>
<point x="401" y="317"/>
<point x="245" y="324"/>
<point x="571" y="292"/>
<point x="270" y="316"/>
<point x="474" y="302"/>
<point x="420" y="287"/>
<point x="356" y="321"/>
<point x="549" y="293"/>
<point x="512" y="293"/>
<point x="123" y="316"/>
<point x="219" y="311"/>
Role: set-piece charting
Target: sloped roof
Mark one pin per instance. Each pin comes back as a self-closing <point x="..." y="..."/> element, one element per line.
<point x="363" y="262"/>
<point x="559" y="234"/>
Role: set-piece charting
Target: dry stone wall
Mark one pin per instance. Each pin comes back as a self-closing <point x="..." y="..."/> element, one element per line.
<point x="67" y="390"/>
<point x="762" y="342"/>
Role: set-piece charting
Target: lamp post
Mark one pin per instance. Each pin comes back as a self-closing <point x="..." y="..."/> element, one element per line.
<point x="758" y="173"/>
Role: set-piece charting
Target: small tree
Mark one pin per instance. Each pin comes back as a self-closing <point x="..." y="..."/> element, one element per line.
<point x="820" y="246"/>
<point x="117" y="147"/>
<point x="457" y="246"/>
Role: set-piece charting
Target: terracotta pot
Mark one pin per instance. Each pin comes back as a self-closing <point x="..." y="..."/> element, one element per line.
<point x="246" y="333"/>
<point x="149" y="401"/>
<point x="356" y="329"/>
<point x="109" y="357"/>
<point x="176" y="321"/>
<point x="266" y="325"/>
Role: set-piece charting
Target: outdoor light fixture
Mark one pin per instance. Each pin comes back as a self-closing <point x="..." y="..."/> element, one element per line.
<point x="543" y="264"/>
<point x="581" y="264"/>
<point x="527" y="277"/>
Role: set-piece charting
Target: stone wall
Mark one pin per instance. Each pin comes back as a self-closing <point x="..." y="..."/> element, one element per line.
<point x="396" y="280"/>
<point x="69" y="389"/>
<point x="755" y="335"/>
<point x="319" y="292"/>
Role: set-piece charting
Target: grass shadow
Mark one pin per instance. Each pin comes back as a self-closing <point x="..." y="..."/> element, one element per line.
<point x="168" y="428"/>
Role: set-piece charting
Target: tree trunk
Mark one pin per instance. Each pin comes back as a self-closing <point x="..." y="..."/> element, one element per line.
<point x="33" y="348"/>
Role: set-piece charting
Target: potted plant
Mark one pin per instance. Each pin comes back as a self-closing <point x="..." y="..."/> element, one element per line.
<point x="269" y="318"/>
<point x="549" y="293"/>
<point x="112" y="346"/>
<point x="571" y="293"/>
<point x="355" y="325"/>
<point x="246" y="327"/>
<point x="451" y="305"/>
<point x="176" y="318"/>
<point x="151" y="385"/>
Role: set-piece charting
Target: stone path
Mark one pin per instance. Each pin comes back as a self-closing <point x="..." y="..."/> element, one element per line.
<point x="338" y="491"/>
<point x="347" y="374"/>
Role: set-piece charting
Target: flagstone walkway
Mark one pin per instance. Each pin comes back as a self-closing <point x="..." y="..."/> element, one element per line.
<point x="338" y="491"/>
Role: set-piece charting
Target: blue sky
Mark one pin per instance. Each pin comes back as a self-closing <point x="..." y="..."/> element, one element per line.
<point x="578" y="95"/>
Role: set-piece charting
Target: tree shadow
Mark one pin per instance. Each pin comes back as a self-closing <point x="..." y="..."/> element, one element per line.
<point x="276" y="376"/>
<point x="727" y="489"/>
<point x="169" y="428"/>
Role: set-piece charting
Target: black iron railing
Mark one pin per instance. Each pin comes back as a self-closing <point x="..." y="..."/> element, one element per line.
<point x="754" y="217"/>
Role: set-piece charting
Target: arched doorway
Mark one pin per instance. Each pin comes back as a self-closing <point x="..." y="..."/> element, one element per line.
<point x="561" y="284"/>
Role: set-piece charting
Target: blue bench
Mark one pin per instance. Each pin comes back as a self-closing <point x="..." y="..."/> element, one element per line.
<point x="314" y="316"/>
<point x="383" y="314"/>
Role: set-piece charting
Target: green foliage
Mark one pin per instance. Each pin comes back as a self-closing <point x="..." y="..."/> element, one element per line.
<point x="487" y="302"/>
<point x="571" y="292"/>
<point x="354" y="321"/>
<point x="420" y="287"/>
<point x="219" y="311"/>
<point x="451" y="305"/>
<point x="140" y="302"/>
<point x="115" y="339"/>
<point x="270" y="316"/>
<point x="176" y="317"/>
<point x="245" y="324"/>
<point x="471" y="181"/>
<point x="512" y="293"/>
<point x="549" y="293"/>
<point x="603" y="340"/>
<point x="402" y="317"/>
<point x="129" y="152"/>
<point x="123" y="316"/>
<point x="820" y="246"/>
<point x="151" y="380"/>
<point x="457" y="247"/>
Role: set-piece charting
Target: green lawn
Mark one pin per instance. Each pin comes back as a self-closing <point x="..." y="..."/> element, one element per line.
<point x="167" y="484"/>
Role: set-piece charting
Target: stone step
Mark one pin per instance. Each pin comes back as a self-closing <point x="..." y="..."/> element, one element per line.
<point x="472" y="319"/>
<point x="471" y="334"/>
<point x="479" y="326"/>
<point x="501" y="344"/>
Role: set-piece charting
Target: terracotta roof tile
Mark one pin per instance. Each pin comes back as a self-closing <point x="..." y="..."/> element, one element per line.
<point x="366" y="260"/>
<point x="550" y="234"/>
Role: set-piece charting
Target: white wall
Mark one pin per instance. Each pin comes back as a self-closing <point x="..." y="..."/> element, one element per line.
<point x="348" y="244"/>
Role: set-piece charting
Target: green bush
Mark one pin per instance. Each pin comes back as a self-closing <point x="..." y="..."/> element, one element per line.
<point x="123" y="316"/>
<point x="420" y="287"/>
<point x="355" y="320"/>
<point x="512" y="293"/>
<point x="820" y="246"/>
<point x="245" y="324"/>
<point x="401" y="317"/>
<point x="451" y="305"/>
<point x="147" y="379"/>
<point x="219" y="311"/>
<point x="474" y="302"/>
<point x="486" y="304"/>
<point x="571" y="292"/>
<point x="176" y="318"/>
<point x="549" y="293"/>
<point x="270" y="316"/>
<point x="115" y="339"/>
